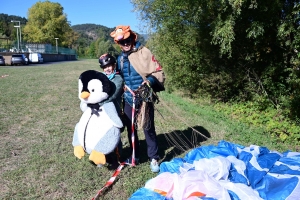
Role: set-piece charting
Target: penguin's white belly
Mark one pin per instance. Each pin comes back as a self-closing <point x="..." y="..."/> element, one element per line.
<point x="92" y="128"/>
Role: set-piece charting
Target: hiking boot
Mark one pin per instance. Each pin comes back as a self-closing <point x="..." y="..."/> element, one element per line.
<point x="154" y="166"/>
<point x="128" y="161"/>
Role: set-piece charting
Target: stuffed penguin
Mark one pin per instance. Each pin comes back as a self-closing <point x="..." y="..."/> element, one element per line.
<point x="98" y="130"/>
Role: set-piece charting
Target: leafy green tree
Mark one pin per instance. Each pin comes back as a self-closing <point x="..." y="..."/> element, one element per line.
<point x="2" y="27"/>
<point x="80" y="51"/>
<point x="92" y="50"/>
<point x="116" y="49"/>
<point x="47" y="21"/>
<point x="7" y="27"/>
<point x="229" y="49"/>
<point x="107" y="47"/>
<point x="103" y="47"/>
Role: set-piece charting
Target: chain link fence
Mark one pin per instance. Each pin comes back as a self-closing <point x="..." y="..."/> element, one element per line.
<point x="36" y="48"/>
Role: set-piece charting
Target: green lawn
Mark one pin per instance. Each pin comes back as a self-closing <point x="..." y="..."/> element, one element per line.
<point x="39" y="109"/>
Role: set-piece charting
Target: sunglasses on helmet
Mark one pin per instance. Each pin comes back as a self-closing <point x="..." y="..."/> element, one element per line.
<point x="126" y="41"/>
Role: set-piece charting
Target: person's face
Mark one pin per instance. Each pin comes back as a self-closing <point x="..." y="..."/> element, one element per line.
<point x="126" y="44"/>
<point x="109" y="69"/>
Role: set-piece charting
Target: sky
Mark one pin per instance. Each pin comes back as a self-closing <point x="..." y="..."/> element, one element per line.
<point x="101" y="12"/>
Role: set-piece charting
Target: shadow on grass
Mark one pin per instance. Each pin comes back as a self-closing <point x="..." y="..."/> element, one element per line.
<point x="174" y="143"/>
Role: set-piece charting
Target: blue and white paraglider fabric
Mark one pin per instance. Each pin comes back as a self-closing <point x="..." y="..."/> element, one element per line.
<point x="228" y="172"/>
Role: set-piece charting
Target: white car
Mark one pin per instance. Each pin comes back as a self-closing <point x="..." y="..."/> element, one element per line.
<point x="35" y="58"/>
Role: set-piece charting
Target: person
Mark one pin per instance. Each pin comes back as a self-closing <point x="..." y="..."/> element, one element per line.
<point x="108" y="64"/>
<point x="135" y="64"/>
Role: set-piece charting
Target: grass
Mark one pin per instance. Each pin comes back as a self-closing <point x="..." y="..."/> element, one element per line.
<point x="39" y="109"/>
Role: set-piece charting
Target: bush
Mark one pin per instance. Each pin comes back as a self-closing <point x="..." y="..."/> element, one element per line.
<point x="273" y="121"/>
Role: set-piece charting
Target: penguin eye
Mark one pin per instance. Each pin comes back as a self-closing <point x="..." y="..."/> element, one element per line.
<point x="93" y="90"/>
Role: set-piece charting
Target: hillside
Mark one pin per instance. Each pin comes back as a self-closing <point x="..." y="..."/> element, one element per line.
<point x="92" y="32"/>
<point x="6" y="26"/>
<point x="94" y="40"/>
<point x="88" y="33"/>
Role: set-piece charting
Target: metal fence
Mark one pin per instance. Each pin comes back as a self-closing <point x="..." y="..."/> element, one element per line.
<point x="36" y="48"/>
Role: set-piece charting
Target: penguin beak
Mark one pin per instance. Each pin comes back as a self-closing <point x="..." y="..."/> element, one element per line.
<point x="85" y="95"/>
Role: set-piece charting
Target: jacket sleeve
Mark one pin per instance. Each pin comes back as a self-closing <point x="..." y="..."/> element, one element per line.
<point x="151" y="80"/>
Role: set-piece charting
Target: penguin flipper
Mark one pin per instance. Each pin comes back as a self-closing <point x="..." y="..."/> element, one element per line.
<point x="75" y="141"/>
<point x="79" y="152"/>
<point x="97" y="157"/>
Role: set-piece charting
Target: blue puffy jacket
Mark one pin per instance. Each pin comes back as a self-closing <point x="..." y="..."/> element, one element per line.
<point x="131" y="78"/>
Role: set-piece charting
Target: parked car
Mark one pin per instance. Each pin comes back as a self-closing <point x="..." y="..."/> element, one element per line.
<point x="35" y="58"/>
<point x="2" y="60"/>
<point x="19" y="59"/>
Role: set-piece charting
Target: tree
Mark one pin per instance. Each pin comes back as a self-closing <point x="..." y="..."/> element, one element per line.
<point x="103" y="47"/>
<point x="7" y="27"/>
<point x="72" y="37"/>
<point x="2" y="27"/>
<point x="92" y="50"/>
<point x="47" y="21"/>
<point x="106" y="47"/>
<point x="230" y="49"/>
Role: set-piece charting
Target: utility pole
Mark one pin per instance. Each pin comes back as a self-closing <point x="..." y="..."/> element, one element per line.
<point x="19" y="39"/>
<point x="56" y="45"/>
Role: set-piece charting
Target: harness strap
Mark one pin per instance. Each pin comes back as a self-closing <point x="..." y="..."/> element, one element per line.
<point x="132" y="126"/>
<point x="110" y="181"/>
<point x="121" y="63"/>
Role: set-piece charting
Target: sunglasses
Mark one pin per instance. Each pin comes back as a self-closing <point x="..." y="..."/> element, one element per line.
<point x="125" y="42"/>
